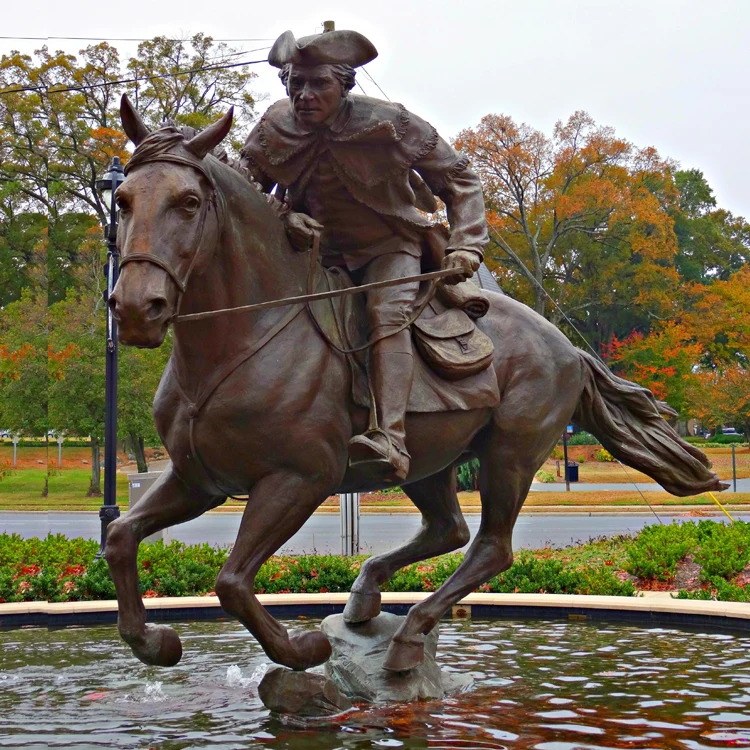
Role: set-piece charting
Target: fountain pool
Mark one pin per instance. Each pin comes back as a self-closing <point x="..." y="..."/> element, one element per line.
<point x="542" y="685"/>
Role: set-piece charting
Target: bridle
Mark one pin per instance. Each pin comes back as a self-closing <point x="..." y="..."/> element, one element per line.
<point x="196" y="402"/>
<point x="215" y="199"/>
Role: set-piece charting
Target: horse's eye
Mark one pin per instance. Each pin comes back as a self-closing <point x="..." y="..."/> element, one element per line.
<point x="190" y="204"/>
<point x="122" y="205"/>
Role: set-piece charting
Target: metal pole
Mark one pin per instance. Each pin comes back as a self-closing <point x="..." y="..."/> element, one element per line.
<point x="59" y="451"/>
<point x="15" y="449"/>
<point x="349" y="517"/>
<point x="109" y="511"/>
<point x="734" y="466"/>
<point x="565" y="460"/>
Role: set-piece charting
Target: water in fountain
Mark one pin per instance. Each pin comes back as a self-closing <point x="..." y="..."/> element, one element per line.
<point x="548" y="686"/>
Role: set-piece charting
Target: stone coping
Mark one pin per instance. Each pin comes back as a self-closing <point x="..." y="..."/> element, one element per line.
<point x="650" y="606"/>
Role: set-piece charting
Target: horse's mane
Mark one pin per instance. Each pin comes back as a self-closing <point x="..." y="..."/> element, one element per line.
<point x="169" y="138"/>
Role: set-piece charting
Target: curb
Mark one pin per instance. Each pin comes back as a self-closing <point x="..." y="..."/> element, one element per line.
<point x="651" y="608"/>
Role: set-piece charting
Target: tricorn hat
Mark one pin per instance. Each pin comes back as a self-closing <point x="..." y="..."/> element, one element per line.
<point x="328" y="48"/>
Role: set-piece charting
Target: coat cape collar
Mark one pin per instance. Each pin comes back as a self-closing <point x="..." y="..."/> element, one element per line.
<point x="370" y="140"/>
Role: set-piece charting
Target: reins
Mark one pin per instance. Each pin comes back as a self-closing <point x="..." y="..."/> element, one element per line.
<point x="223" y="371"/>
<point x="313" y="297"/>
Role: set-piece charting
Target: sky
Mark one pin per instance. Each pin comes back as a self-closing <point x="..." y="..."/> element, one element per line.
<point x="673" y="74"/>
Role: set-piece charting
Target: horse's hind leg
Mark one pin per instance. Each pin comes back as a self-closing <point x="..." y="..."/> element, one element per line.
<point x="443" y="530"/>
<point x="506" y="471"/>
<point x="167" y="503"/>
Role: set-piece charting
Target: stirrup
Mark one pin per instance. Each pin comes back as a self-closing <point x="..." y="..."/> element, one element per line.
<point x="365" y="452"/>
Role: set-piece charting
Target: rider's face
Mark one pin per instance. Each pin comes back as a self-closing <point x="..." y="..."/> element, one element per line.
<point x="315" y="93"/>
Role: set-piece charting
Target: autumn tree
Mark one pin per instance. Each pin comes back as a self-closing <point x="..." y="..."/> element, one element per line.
<point x="700" y="360"/>
<point x="59" y="129"/>
<point x="664" y="361"/>
<point x="191" y="82"/>
<point x="579" y="218"/>
<point x="23" y="364"/>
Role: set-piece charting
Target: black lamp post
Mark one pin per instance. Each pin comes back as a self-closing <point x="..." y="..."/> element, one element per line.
<point x="106" y="188"/>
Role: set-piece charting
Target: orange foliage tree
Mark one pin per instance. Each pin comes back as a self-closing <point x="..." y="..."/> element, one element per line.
<point x="699" y="362"/>
<point x="663" y="361"/>
<point x="581" y="216"/>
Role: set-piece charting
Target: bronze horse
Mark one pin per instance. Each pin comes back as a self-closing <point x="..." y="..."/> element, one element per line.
<point x="276" y="412"/>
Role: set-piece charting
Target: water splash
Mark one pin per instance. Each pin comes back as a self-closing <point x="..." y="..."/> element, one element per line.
<point x="235" y="678"/>
<point x="153" y="693"/>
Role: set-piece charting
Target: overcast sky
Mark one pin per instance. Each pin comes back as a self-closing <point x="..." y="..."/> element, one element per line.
<point x="673" y="74"/>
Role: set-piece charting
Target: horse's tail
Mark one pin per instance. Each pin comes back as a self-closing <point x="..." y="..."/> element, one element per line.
<point x="630" y="423"/>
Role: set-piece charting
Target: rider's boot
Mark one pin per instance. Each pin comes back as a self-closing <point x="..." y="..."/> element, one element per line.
<point x="383" y="450"/>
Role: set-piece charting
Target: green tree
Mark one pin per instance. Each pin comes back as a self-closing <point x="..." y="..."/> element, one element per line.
<point x="77" y="362"/>
<point x="20" y="235"/>
<point x="140" y="372"/>
<point x="713" y="243"/>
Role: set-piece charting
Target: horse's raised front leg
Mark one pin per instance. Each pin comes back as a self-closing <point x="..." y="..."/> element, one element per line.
<point x="277" y="507"/>
<point x="167" y="503"/>
<point x="443" y="530"/>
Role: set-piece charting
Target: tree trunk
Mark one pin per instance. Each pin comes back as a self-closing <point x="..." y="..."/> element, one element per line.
<point x="139" y="449"/>
<point x="95" y="488"/>
<point x="540" y="298"/>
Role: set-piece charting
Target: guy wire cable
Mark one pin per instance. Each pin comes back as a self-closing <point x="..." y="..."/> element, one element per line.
<point x="92" y="86"/>
<point x="596" y="354"/>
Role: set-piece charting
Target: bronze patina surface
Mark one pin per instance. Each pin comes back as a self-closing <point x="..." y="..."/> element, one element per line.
<point x="260" y="404"/>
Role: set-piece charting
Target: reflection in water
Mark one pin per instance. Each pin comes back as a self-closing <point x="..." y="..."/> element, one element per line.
<point x="548" y="686"/>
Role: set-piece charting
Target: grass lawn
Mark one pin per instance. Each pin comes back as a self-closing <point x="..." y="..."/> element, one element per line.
<point x="593" y="471"/>
<point x="21" y="490"/>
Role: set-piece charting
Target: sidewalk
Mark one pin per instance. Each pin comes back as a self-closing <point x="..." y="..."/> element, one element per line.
<point x="743" y="485"/>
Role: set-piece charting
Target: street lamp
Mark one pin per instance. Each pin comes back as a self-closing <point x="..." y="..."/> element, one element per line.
<point x="106" y="188"/>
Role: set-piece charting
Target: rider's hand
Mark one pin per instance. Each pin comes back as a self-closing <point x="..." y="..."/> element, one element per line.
<point x="465" y="260"/>
<point x="300" y="229"/>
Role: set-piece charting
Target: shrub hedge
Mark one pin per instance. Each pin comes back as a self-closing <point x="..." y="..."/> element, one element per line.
<point x="717" y="441"/>
<point x="583" y="438"/>
<point x="60" y="569"/>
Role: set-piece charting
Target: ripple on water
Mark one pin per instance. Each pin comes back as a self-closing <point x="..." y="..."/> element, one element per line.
<point x="654" y="688"/>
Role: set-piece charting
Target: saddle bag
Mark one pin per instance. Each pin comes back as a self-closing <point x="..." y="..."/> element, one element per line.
<point x="451" y="345"/>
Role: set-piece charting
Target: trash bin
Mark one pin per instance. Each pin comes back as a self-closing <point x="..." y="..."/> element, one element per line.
<point x="573" y="471"/>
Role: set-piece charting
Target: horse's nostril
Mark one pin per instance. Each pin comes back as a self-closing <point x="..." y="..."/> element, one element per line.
<point x="156" y="308"/>
<point x="112" y="304"/>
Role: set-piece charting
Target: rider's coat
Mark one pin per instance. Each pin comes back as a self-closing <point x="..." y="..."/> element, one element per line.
<point x="364" y="179"/>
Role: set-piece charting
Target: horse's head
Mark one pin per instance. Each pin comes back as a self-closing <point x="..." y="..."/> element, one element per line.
<point x="170" y="221"/>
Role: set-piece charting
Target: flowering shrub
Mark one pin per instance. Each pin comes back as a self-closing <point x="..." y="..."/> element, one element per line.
<point x="61" y="569"/>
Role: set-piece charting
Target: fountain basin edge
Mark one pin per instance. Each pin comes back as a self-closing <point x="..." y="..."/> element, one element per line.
<point x="656" y="608"/>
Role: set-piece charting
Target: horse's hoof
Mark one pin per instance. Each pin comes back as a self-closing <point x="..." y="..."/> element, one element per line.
<point x="308" y="648"/>
<point x="404" y="655"/>
<point x="361" y="607"/>
<point x="158" y="646"/>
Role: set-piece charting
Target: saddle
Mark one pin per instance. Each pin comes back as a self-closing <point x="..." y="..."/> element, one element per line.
<point x="452" y="354"/>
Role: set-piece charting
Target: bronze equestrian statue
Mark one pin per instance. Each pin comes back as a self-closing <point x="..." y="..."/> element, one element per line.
<point x="261" y="403"/>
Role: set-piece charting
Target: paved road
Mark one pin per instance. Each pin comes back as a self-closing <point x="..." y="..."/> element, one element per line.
<point x="321" y="533"/>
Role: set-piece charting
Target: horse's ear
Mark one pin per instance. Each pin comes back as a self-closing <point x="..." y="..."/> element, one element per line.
<point x="212" y="136"/>
<point x="131" y="121"/>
